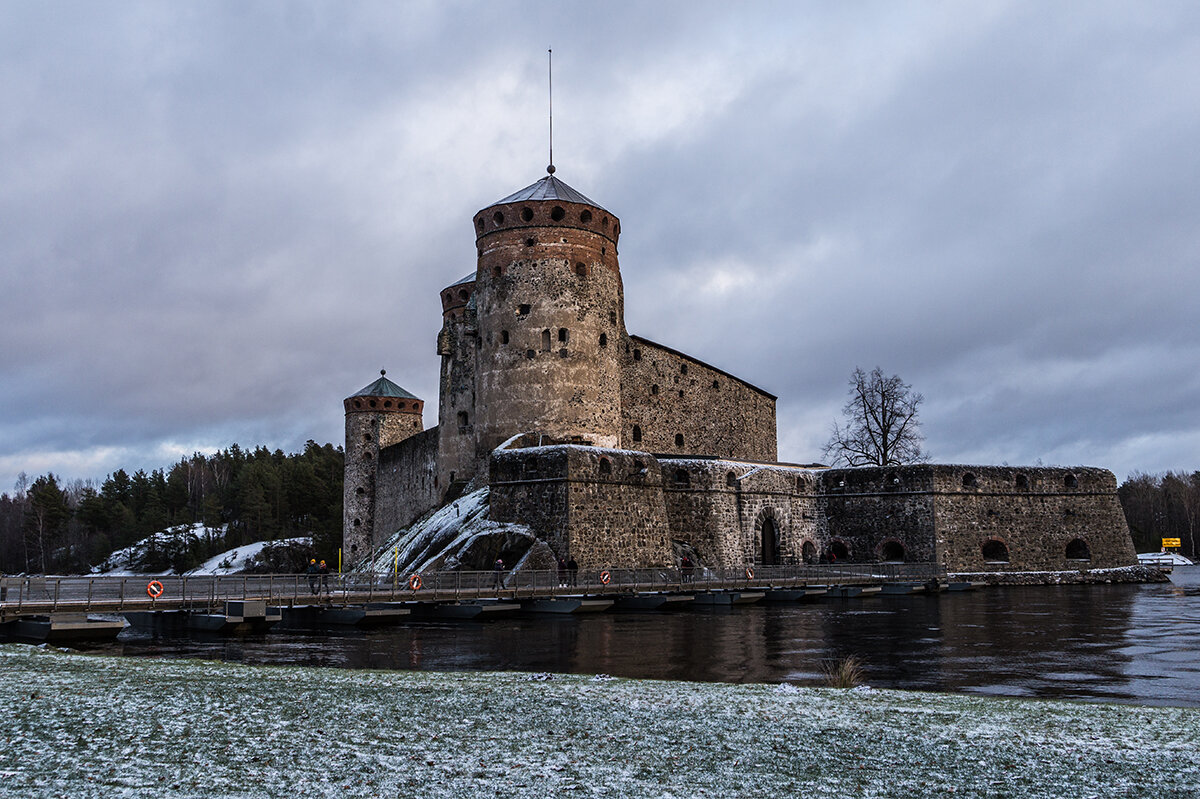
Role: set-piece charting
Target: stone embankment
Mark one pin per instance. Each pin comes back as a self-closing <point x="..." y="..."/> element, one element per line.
<point x="1125" y="574"/>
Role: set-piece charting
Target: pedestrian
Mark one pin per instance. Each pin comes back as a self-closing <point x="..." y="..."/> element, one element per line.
<point x="312" y="575"/>
<point x="573" y="571"/>
<point x="562" y="572"/>
<point x="498" y="568"/>
<point x="323" y="570"/>
<point x="686" y="569"/>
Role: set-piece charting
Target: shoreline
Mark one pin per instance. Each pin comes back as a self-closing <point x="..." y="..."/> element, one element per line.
<point x="95" y="725"/>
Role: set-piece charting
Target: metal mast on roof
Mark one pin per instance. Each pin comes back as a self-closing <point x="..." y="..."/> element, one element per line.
<point x="550" y="75"/>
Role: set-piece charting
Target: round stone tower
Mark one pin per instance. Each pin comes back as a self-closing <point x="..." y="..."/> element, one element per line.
<point x="378" y="416"/>
<point x="550" y="315"/>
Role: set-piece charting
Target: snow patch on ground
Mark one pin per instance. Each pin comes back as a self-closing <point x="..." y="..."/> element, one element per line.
<point x="125" y="562"/>
<point x="238" y="559"/>
<point x="94" y="726"/>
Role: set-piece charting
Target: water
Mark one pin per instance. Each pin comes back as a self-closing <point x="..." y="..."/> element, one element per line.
<point x="1124" y="643"/>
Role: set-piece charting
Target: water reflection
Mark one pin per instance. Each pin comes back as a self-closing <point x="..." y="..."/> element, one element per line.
<point x="1122" y="643"/>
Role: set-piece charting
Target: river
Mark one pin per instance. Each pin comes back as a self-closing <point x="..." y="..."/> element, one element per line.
<point x="1122" y="643"/>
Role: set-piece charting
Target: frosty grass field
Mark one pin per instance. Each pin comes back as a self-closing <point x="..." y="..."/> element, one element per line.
<point x="90" y="726"/>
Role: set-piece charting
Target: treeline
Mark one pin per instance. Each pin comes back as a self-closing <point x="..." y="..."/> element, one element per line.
<point x="47" y="526"/>
<point x="1159" y="506"/>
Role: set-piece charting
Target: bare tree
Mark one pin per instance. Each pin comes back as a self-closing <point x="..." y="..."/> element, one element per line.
<point x="881" y="426"/>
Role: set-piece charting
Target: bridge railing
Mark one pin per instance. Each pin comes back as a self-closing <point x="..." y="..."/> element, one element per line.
<point x="28" y="595"/>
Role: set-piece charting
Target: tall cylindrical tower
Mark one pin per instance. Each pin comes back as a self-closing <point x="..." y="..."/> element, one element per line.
<point x="550" y="314"/>
<point x="378" y="416"/>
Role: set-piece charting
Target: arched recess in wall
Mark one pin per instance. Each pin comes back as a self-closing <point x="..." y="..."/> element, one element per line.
<point x="808" y="552"/>
<point x="838" y="550"/>
<point x="1078" y="549"/>
<point x="995" y="551"/>
<point x="892" y="551"/>
<point x="767" y="530"/>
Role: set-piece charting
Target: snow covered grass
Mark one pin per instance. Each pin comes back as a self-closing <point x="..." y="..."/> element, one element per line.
<point x="91" y="726"/>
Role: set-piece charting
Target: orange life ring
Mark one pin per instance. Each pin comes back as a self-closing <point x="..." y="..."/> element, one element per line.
<point x="154" y="589"/>
<point x="414" y="582"/>
<point x="605" y="577"/>
<point x="749" y="573"/>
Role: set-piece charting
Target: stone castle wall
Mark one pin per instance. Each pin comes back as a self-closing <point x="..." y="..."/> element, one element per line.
<point x="1036" y="514"/>
<point x="721" y="507"/>
<point x="602" y="507"/>
<point x="407" y="477"/>
<point x="980" y="518"/>
<point x="673" y="403"/>
<point x="868" y="510"/>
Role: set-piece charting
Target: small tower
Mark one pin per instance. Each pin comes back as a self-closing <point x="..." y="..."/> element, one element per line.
<point x="378" y="416"/>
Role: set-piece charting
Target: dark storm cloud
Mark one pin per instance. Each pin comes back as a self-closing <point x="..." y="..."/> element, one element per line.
<point x="220" y="219"/>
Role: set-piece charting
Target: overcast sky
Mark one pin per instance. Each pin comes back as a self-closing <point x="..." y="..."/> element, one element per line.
<point x="219" y="219"/>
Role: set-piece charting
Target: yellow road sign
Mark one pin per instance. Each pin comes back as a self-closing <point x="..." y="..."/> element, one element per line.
<point x="1172" y="542"/>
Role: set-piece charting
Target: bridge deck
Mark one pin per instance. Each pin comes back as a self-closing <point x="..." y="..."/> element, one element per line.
<point x="27" y="596"/>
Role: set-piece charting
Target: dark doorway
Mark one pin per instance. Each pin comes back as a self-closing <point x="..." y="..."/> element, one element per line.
<point x="892" y="552"/>
<point x="770" y="543"/>
<point x="839" y="551"/>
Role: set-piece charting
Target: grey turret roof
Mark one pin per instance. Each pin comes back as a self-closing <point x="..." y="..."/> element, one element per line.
<point x="548" y="188"/>
<point x="468" y="279"/>
<point x="384" y="388"/>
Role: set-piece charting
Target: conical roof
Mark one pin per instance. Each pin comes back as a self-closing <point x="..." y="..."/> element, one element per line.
<point x="384" y="388"/>
<point x="548" y="188"/>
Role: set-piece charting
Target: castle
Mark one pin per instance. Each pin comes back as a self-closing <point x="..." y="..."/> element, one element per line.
<point x="618" y="451"/>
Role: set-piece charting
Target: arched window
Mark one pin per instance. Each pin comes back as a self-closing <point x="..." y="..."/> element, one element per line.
<point x="683" y="369"/>
<point x="995" y="551"/>
<point x="654" y="388"/>
<point x="503" y="336"/>
<point x="637" y="433"/>
<point x="1070" y="481"/>
<point x="603" y="339"/>
<point x="605" y="466"/>
<point x="731" y="480"/>
<point x="839" y="551"/>
<point x="969" y="481"/>
<point x="1078" y="550"/>
<point x="1022" y="481"/>
<point x="679" y="439"/>
<point x="546" y="340"/>
<point x="637" y="355"/>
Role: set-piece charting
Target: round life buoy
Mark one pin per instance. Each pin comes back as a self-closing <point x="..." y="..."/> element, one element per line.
<point x="749" y="573"/>
<point x="414" y="582"/>
<point x="154" y="589"/>
<point x="605" y="577"/>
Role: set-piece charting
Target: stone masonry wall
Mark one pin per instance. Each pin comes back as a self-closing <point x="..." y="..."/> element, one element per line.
<point x="672" y="403"/>
<point x="602" y="507"/>
<point x="549" y="305"/>
<point x="407" y="484"/>
<point x="1035" y="513"/>
<point x="720" y="507"/>
<point x="866" y="509"/>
